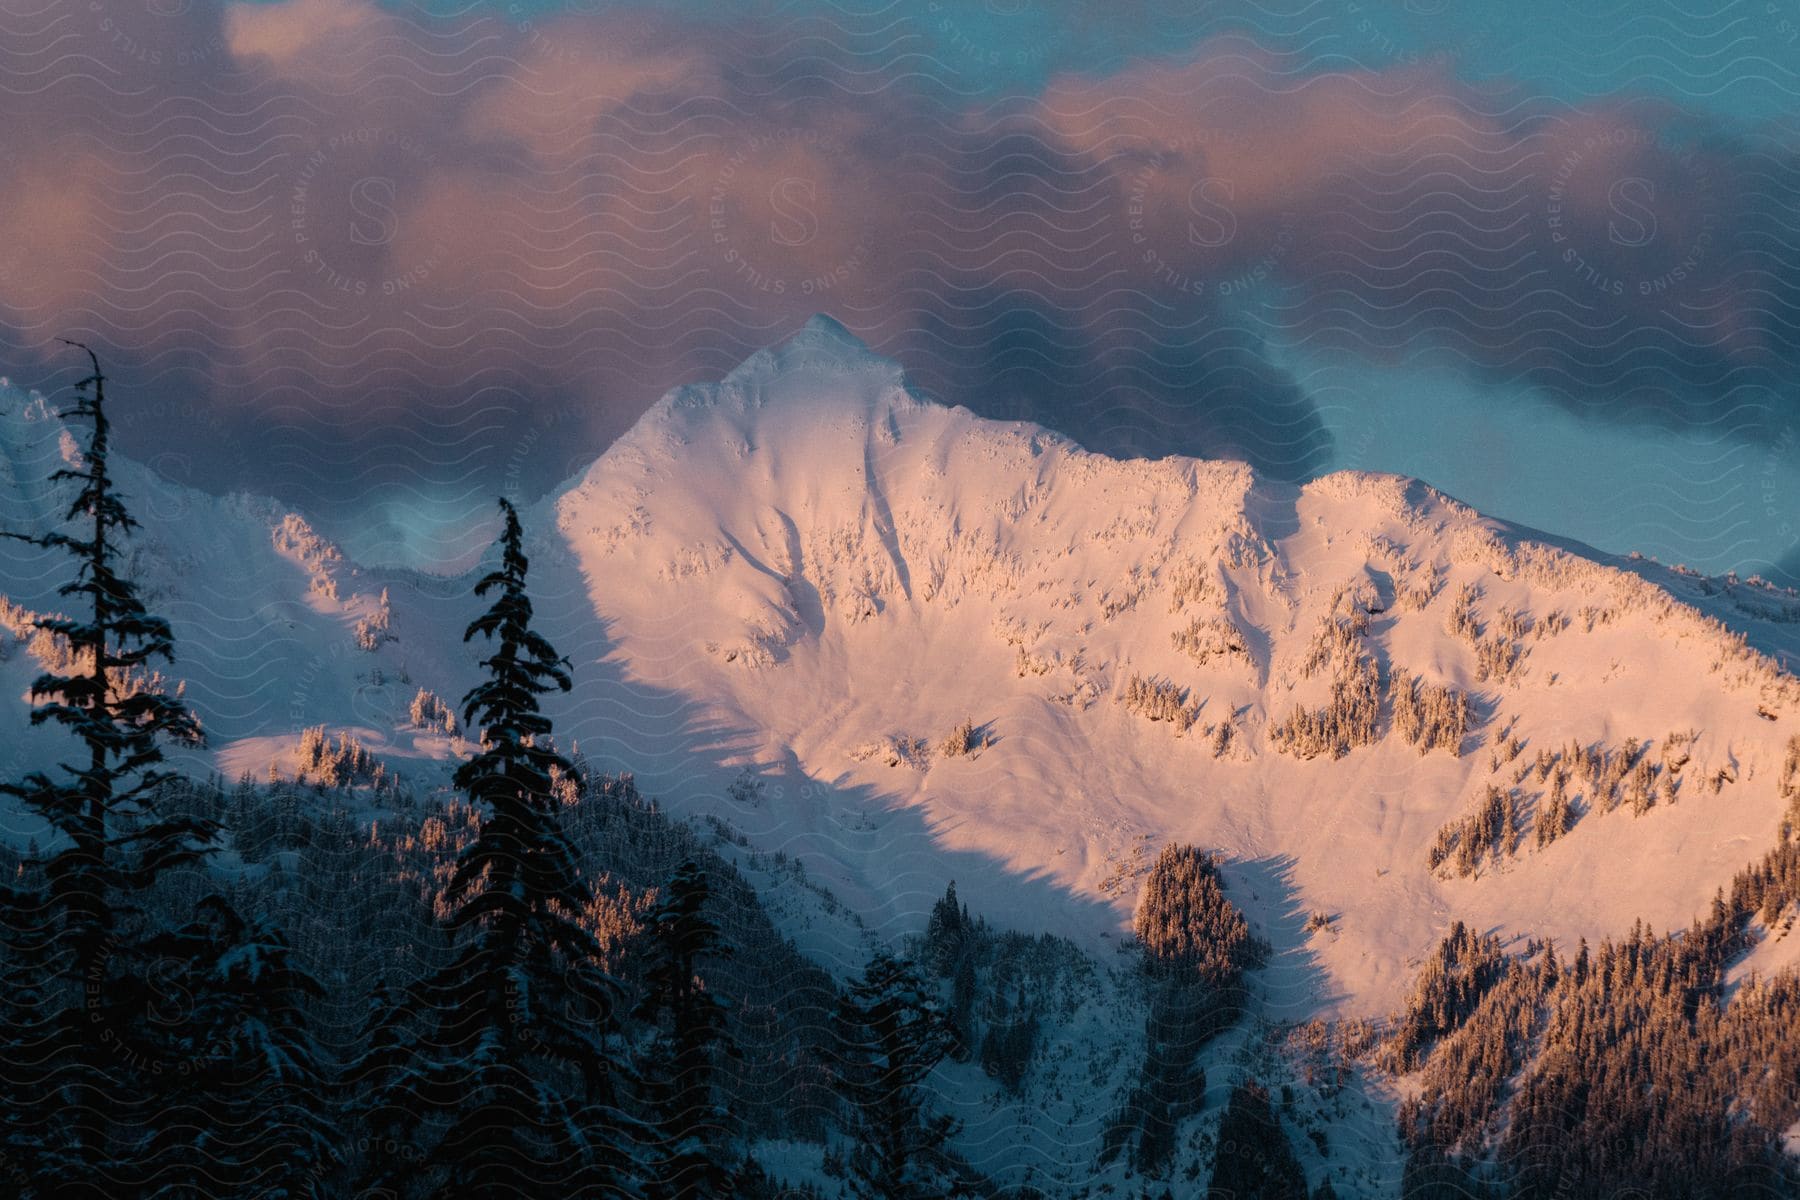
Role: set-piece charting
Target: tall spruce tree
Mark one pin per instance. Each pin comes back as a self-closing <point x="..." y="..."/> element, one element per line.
<point x="516" y="1078"/>
<point x="892" y="1036"/>
<point x="75" y="952"/>
<point x="690" y="1127"/>
<point x="945" y="934"/>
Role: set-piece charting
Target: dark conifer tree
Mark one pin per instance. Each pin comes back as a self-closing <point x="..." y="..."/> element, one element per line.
<point x="1011" y="1036"/>
<point x="962" y="1006"/>
<point x="375" y="1093"/>
<point x="1254" y="1157"/>
<point x="74" y="955"/>
<point x="244" y="1112"/>
<point x="517" y="1070"/>
<point x="892" y="1036"/>
<point x="944" y="934"/>
<point x="1197" y="947"/>
<point x="690" y="1127"/>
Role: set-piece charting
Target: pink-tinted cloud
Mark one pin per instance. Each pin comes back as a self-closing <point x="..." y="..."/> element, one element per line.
<point x="293" y="35"/>
<point x="413" y="236"/>
<point x="571" y="73"/>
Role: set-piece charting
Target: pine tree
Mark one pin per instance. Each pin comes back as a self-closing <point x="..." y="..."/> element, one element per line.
<point x="74" y="962"/>
<point x="244" y="1113"/>
<point x="690" y="1126"/>
<point x="376" y="1091"/>
<point x="892" y="1036"/>
<point x="1553" y="817"/>
<point x="944" y="933"/>
<point x="1187" y="925"/>
<point x="1011" y="1038"/>
<point x="517" y="1055"/>
<point x="136" y="1034"/>
<point x="962" y="1006"/>
<point x="1184" y="1015"/>
<point x="1255" y="1158"/>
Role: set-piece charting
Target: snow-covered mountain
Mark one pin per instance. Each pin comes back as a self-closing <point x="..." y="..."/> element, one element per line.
<point x="829" y="569"/>
<point x="904" y="646"/>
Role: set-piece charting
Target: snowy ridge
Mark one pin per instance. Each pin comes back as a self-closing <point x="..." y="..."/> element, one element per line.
<point x="265" y="611"/>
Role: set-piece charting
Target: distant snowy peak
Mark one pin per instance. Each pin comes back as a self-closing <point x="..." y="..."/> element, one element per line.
<point x="820" y="435"/>
<point x="824" y="387"/>
<point x="823" y="378"/>
<point x="822" y="347"/>
<point x="33" y="445"/>
<point x="809" y="492"/>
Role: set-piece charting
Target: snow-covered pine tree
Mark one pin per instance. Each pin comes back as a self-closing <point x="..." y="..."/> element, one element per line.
<point x="72" y="945"/>
<point x="1553" y="811"/>
<point x="892" y="1036"/>
<point x="962" y="1007"/>
<point x="517" y="1078"/>
<point x="1186" y="924"/>
<point x="245" y="1114"/>
<point x="1011" y="1036"/>
<point x="690" y="1156"/>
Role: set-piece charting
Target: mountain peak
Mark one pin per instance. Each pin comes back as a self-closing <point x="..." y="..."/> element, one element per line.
<point x="822" y="347"/>
<point x="824" y="329"/>
<point x="796" y="394"/>
<point x="821" y="371"/>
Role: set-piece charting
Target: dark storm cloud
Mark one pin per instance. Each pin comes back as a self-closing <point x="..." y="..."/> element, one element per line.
<point x="401" y="254"/>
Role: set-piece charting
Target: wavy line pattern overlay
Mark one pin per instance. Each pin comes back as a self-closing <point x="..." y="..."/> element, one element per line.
<point x="379" y="261"/>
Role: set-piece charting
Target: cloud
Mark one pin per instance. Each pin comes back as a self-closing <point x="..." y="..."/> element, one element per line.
<point x="50" y="207"/>
<point x="389" y="249"/>
<point x="1786" y="572"/>
<point x="294" y="36"/>
<point x="570" y="73"/>
<point x="1617" y="257"/>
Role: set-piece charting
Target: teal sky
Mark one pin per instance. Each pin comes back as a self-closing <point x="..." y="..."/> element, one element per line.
<point x="1740" y="58"/>
<point x="1714" y="503"/>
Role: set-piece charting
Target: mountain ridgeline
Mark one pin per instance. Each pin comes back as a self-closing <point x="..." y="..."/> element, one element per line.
<point x="1025" y="823"/>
